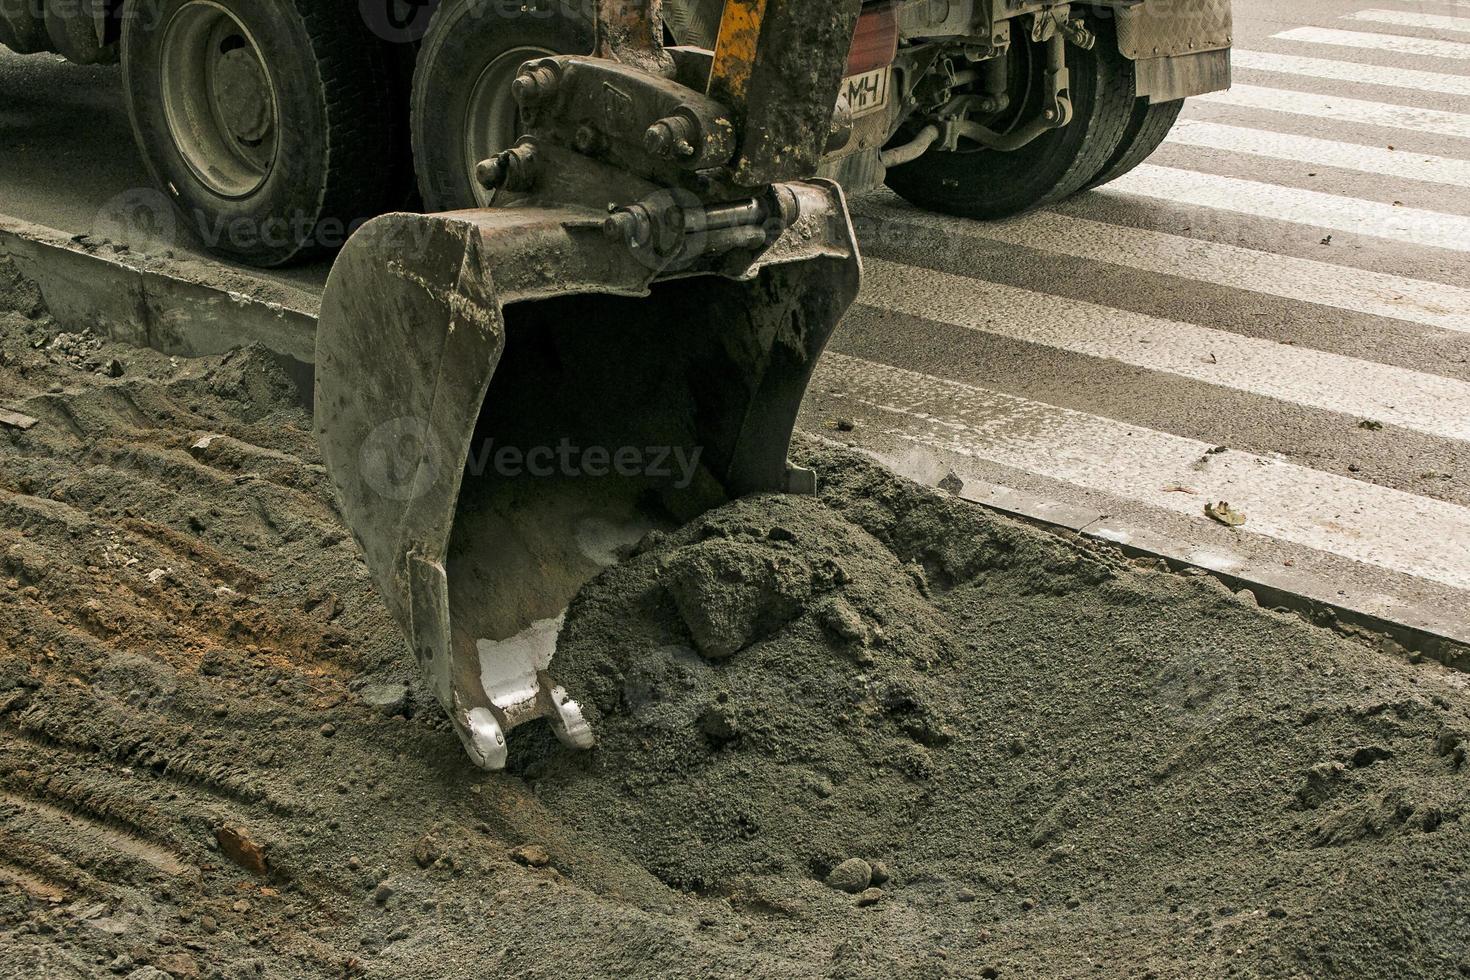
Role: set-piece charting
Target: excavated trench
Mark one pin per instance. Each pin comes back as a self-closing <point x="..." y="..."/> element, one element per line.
<point x="880" y="732"/>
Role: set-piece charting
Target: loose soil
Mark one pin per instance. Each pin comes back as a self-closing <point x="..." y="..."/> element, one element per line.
<point x="877" y="733"/>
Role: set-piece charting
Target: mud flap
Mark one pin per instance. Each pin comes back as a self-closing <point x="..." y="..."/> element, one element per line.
<point x="507" y="403"/>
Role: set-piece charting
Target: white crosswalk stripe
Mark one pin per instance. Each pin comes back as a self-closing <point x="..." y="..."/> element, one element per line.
<point x="1409" y="18"/>
<point x="1380" y="526"/>
<point x="1408" y="226"/>
<point x="1429" y="47"/>
<point x="1320" y="152"/>
<point x="1429" y="304"/>
<point x="1356" y="111"/>
<point x="1461" y="4"/>
<point x="1351" y="71"/>
<point x="1424" y="402"/>
<point x="940" y="420"/>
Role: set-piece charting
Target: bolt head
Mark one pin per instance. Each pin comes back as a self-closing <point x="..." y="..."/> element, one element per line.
<point x="490" y="173"/>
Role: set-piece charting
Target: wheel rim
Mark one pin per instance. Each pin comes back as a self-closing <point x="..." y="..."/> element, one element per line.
<point x="492" y="119"/>
<point x="218" y="99"/>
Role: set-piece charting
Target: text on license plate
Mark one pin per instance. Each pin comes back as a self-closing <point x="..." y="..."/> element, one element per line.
<point x="867" y="92"/>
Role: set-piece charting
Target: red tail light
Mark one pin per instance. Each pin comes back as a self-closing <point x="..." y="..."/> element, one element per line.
<point x="875" y="41"/>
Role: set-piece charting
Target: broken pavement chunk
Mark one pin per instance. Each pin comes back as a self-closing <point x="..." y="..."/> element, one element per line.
<point x="1225" y="514"/>
<point x="16" y="420"/>
<point x="241" y="848"/>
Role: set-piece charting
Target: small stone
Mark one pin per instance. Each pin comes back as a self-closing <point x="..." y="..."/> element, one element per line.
<point x="869" y="896"/>
<point x="400" y="934"/>
<point x="241" y="848"/>
<point x="844" y="425"/>
<point x="840" y="619"/>
<point x="208" y="924"/>
<point x="178" y="965"/>
<point x="990" y="972"/>
<point x="952" y="483"/>
<point x="531" y="855"/>
<point x="354" y="863"/>
<point x="719" y="724"/>
<point x="1277" y="912"/>
<point x="328" y="730"/>
<point x="966" y="895"/>
<point x="880" y="872"/>
<point x="1027" y="904"/>
<point x="851" y="876"/>
<point x="122" y="964"/>
<point x="383" y="892"/>
<point x="386" y="699"/>
<point x="427" y="851"/>
<point x="113" y="368"/>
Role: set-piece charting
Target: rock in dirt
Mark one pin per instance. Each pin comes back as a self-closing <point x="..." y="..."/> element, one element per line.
<point x="531" y="855"/>
<point x="732" y="593"/>
<point x="16" y="420"/>
<point x="240" y="847"/>
<point x="869" y="896"/>
<point x="180" y="966"/>
<point x="387" y="699"/>
<point x="852" y="876"/>
<point x="148" y="973"/>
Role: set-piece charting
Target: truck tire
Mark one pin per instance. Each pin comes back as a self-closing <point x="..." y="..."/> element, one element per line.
<point x="462" y="109"/>
<point x="987" y="184"/>
<point x="1147" y="127"/>
<point x="270" y="124"/>
<point x="23" y="27"/>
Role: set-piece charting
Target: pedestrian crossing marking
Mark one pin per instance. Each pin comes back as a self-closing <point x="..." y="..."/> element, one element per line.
<point x="1356" y="388"/>
<point x="1376" y="525"/>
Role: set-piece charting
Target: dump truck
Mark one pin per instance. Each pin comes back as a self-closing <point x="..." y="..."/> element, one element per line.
<point x="278" y="126"/>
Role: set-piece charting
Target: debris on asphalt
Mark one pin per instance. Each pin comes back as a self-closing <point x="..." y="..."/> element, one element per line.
<point x="1225" y="514"/>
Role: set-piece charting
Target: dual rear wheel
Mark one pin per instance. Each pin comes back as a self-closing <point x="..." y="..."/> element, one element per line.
<point x="1112" y="131"/>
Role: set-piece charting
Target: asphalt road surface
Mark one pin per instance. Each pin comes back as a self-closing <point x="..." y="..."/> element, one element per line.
<point x="1288" y="278"/>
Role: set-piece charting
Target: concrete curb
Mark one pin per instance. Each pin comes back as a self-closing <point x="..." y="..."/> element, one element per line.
<point x="1413" y="628"/>
<point x="147" y="301"/>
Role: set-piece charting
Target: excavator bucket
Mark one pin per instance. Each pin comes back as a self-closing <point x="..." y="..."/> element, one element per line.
<point x="506" y="404"/>
<point x="508" y="399"/>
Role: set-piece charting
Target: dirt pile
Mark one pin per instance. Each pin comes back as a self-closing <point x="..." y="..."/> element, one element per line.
<point x="1056" y="755"/>
<point x="877" y="733"/>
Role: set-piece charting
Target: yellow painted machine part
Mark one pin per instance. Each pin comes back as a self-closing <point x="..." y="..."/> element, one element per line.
<point x="735" y="50"/>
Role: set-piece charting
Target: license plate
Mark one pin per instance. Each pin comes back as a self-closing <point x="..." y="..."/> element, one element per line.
<point x="867" y="92"/>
